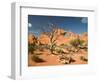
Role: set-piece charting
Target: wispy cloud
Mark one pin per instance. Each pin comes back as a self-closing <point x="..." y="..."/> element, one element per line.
<point x="84" y="20"/>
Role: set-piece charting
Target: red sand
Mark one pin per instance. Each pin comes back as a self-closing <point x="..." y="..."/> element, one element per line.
<point x="54" y="59"/>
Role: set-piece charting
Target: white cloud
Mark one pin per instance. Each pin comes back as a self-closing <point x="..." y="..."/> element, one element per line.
<point x="29" y="25"/>
<point x="84" y="20"/>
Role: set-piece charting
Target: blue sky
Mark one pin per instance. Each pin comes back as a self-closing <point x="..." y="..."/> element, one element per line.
<point x="75" y="24"/>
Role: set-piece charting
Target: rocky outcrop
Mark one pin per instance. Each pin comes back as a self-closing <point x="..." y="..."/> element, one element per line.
<point x="84" y="36"/>
<point x="43" y="39"/>
<point x="60" y="37"/>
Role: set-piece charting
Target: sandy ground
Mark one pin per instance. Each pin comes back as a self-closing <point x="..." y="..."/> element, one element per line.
<point x="54" y="59"/>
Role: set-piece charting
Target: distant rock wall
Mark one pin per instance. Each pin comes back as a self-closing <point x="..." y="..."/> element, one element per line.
<point x="60" y="39"/>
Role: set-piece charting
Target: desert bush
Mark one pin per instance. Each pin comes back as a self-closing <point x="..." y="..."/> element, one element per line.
<point x="66" y="59"/>
<point x="32" y="48"/>
<point x="77" y="42"/>
<point x="60" y="51"/>
<point x="52" y="48"/>
<point x="66" y="44"/>
<point x="37" y="59"/>
<point x="83" y="58"/>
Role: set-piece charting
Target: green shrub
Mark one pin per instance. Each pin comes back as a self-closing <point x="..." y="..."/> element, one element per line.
<point x="76" y="42"/>
<point x="59" y="51"/>
<point x="66" y="44"/>
<point x="32" y="48"/>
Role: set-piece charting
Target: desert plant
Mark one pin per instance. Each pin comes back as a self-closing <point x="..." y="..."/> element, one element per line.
<point x="85" y="46"/>
<point x="53" y="34"/>
<point x="66" y="59"/>
<point x="83" y="58"/>
<point x="77" y="42"/>
<point x="32" y="48"/>
<point x="66" y="44"/>
<point x="37" y="59"/>
<point x="60" y="51"/>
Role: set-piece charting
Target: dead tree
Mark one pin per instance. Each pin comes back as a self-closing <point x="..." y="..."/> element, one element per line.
<point x="52" y="32"/>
